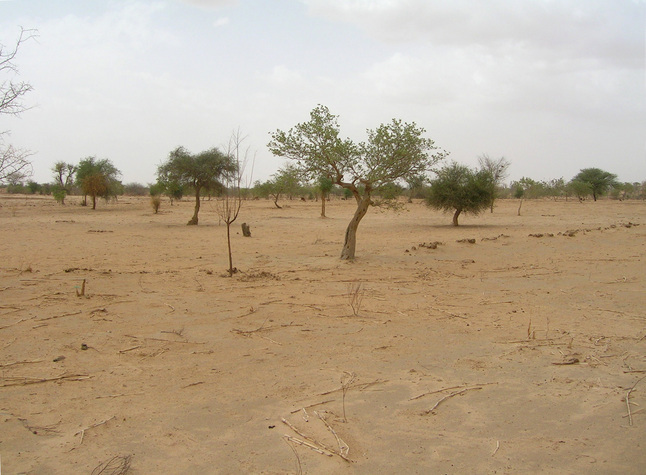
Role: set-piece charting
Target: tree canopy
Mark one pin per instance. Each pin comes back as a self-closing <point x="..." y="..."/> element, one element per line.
<point x="460" y="189"/>
<point x="97" y="178"/>
<point x="391" y="152"/>
<point x="497" y="167"/>
<point x="598" y="181"/>
<point x="201" y="172"/>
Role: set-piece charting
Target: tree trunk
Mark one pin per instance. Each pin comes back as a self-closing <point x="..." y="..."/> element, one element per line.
<point x="193" y="220"/>
<point x="231" y="269"/>
<point x="351" y="232"/>
<point x="519" y="205"/>
<point x="276" y="202"/>
<point x="322" y="204"/>
<point x="455" y="216"/>
<point x="93" y="201"/>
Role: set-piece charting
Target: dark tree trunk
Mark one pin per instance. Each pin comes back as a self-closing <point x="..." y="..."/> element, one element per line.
<point x="276" y="202"/>
<point x="193" y="220"/>
<point x="232" y="270"/>
<point x="455" y="216"/>
<point x="93" y="201"/>
<point x="322" y="204"/>
<point x="351" y="232"/>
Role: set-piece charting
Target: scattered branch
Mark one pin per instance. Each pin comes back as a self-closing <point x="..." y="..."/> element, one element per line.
<point x="456" y="393"/>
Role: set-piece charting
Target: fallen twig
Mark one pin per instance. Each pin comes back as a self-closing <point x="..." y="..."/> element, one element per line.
<point x="6" y="365"/>
<point x="58" y="316"/>
<point x="82" y="431"/>
<point x="165" y="340"/>
<point x="497" y="447"/>
<point x="298" y="459"/>
<point x="457" y="393"/>
<point x="627" y="398"/>
<point x="344" y="449"/>
<point x="446" y="389"/>
<point x="312" y="405"/>
<point x="313" y="443"/>
<point x="23" y="381"/>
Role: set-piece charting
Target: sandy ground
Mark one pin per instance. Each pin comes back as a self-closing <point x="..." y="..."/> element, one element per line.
<point x="512" y="354"/>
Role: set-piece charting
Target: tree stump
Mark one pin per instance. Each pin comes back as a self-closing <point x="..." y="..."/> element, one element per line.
<point x="246" y="232"/>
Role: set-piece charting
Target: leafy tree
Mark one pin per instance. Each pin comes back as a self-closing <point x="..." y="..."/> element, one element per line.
<point x="286" y="181"/>
<point x="598" y="180"/>
<point x="497" y="168"/>
<point x="393" y="151"/>
<point x="201" y="172"/>
<point x="579" y="189"/>
<point x="97" y="179"/>
<point x="462" y="190"/>
<point x="324" y="185"/>
<point x="63" y="180"/>
<point x="14" y="163"/>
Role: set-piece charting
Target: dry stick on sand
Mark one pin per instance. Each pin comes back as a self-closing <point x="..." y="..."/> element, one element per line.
<point x="24" y="381"/>
<point x="82" y="431"/>
<point x="456" y="393"/>
<point x="447" y="389"/>
<point x="298" y="459"/>
<point x="343" y="447"/>
<point x="6" y="365"/>
<point x="312" y="443"/>
<point x="345" y="386"/>
<point x="627" y="399"/>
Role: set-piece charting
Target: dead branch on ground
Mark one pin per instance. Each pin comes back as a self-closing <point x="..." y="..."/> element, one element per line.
<point x="627" y="399"/>
<point x="24" y="381"/>
<point x="456" y="393"/>
<point x="117" y="465"/>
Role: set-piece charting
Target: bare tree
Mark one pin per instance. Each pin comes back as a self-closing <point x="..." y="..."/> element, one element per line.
<point x="13" y="162"/>
<point x="497" y="168"/>
<point x="229" y="204"/>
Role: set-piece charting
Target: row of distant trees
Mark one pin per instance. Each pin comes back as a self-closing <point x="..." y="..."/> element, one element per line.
<point x="288" y="184"/>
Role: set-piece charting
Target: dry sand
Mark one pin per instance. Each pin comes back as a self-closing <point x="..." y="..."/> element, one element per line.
<point x="188" y="371"/>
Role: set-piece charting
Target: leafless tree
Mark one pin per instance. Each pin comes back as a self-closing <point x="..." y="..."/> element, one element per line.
<point x="497" y="168"/>
<point x="14" y="164"/>
<point x="229" y="203"/>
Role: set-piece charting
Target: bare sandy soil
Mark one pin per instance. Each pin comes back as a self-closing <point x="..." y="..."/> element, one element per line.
<point x="511" y="354"/>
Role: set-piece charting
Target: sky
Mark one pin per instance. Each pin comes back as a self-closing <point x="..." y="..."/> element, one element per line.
<point x="553" y="86"/>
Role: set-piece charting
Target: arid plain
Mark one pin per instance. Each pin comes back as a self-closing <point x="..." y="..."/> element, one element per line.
<point x="519" y="352"/>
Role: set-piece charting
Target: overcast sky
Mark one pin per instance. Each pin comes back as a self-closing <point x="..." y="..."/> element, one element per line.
<point x="552" y="85"/>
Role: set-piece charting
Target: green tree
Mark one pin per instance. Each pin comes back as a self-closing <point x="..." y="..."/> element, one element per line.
<point x="63" y="180"/>
<point x="462" y="190"/>
<point x="598" y="180"/>
<point x="97" y="179"/>
<point x="287" y="181"/>
<point x="393" y="151"/>
<point x="579" y="189"/>
<point x="497" y="168"/>
<point x="201" y="172"/>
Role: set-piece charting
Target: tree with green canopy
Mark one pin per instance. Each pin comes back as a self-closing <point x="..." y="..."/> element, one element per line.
<point x="391" y="152"/>
<point x="201" y="172"/>
<point x="598" y="181"/>
<point x="97" y="179"/>
<point x="460" y="189"/>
